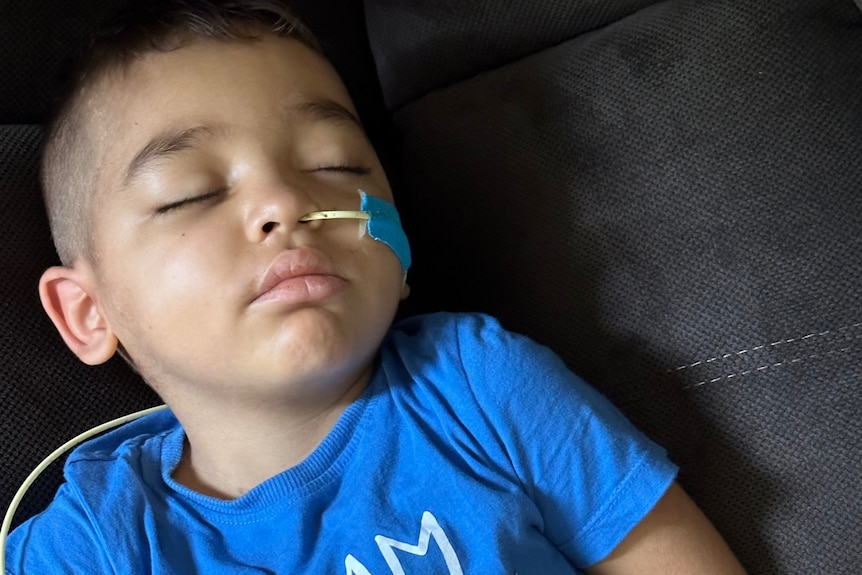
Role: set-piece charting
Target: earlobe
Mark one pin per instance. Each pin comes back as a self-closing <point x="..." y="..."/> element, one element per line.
<point x="69" y="301"/>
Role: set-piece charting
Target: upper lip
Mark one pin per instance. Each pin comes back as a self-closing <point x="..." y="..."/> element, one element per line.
<point x="293" y="263"/>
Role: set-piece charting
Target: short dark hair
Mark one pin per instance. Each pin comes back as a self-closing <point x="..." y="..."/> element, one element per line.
<point x="68" y="171"/>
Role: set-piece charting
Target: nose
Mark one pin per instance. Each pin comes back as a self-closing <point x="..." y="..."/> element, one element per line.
<point x="274" y="210"/>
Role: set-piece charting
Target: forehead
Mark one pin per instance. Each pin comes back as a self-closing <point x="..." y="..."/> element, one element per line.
<point x="255" y="84"/>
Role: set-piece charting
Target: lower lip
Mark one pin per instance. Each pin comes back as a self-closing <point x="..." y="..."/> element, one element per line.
<point x="303" y="289"/>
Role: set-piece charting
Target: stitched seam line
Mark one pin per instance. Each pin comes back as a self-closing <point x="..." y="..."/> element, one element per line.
<point x="726" y="356"/>
<point x="766" y="367"/>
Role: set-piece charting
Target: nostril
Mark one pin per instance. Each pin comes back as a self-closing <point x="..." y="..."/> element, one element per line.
<point x="268" y="227"/>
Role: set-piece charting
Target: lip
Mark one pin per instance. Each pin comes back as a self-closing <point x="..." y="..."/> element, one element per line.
<point x="298" y="275"/>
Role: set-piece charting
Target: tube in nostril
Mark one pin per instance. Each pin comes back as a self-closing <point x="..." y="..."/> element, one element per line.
<point x="383" y="224"/>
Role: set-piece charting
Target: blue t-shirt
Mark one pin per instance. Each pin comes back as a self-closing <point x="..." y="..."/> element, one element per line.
<point x="473" y="450"/>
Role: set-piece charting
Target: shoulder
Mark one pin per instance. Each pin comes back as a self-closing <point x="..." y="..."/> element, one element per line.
<point x="113" y="464"/>
<point x="444" y="323"/>
<point x="467" y="335"/>
<point x="589" y="471"/>
<point x="104" y="487"/>
<point x="131" y="437"/>
<point x="474" y="367"/>
<point x="477" y="350"/>
<point x="61" y="539"/>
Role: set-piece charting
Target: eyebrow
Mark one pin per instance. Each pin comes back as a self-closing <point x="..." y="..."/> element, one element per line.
<point x="174" y="141"/>
<point x="323" y="110"/>
<point x="163" y="145"/>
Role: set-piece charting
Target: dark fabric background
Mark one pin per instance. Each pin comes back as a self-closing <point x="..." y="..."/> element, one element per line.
<point x="432" y="44"/>
<point x="667" y="194"/>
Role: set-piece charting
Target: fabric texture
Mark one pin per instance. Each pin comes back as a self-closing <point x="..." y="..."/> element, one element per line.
<point x="450" y="450"/>
<point x="431" y="44"/>
<point x="670" y="200"/>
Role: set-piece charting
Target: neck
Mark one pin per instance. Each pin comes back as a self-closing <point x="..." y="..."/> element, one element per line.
<point x="230" y="451"/>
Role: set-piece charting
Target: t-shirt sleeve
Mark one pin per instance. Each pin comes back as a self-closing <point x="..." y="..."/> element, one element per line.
<point x="590" y="472"/>
<point x="60" y="540"/>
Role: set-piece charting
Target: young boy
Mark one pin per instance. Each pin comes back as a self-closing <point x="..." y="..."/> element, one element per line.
<point x="189" y="177"/>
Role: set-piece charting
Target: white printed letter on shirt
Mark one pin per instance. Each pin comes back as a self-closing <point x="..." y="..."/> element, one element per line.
<point x="429" y="529"/>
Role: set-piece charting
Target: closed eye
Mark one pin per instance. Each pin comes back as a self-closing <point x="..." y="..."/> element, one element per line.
<point x="357" y="170"/>
<point x="169" y="207"/>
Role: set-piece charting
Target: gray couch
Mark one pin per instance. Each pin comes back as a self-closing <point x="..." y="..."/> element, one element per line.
<point x="669" y="194"/>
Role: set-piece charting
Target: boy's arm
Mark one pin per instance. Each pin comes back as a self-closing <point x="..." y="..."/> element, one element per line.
<point x="675" y="538"/>
<point x="61" y="541"/>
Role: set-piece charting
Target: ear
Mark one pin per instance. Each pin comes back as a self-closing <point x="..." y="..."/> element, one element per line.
<point x="68" y="297"/>
<point x="405" y="288"/>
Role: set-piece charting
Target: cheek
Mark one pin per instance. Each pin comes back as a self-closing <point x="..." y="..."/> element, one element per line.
<point x="169" y="304"/>
<point x="177" y="278"/>
<point x="199" y="272"/>
<point x="384" y="272"/>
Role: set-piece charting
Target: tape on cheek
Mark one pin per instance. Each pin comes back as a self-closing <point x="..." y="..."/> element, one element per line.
<point x="384" y="225"/>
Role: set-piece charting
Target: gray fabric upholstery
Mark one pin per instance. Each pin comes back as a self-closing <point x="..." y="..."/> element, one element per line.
<point x="432" y="44"/>
<point x="669" y="198"/>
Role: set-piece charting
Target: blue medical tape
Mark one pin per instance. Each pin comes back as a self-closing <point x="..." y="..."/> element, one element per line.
<point x="384" y="225"/>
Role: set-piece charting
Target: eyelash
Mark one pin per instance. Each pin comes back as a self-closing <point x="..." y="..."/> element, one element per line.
<point x="357" y="170"/>
<point x="161" y="210"/>
<point x="342" y="168"/>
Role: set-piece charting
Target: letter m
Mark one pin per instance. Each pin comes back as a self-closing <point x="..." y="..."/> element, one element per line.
<point x="429" y="529"/>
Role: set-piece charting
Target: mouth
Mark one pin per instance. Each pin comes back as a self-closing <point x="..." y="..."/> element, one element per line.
<point x="297" y="276"/>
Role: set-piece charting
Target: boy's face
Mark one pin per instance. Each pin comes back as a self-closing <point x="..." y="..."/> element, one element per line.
<point x="211" y="154"/>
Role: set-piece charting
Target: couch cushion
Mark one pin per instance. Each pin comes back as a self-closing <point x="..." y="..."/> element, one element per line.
<point x="427" y="45"/>
<point x="672" y="203"/>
